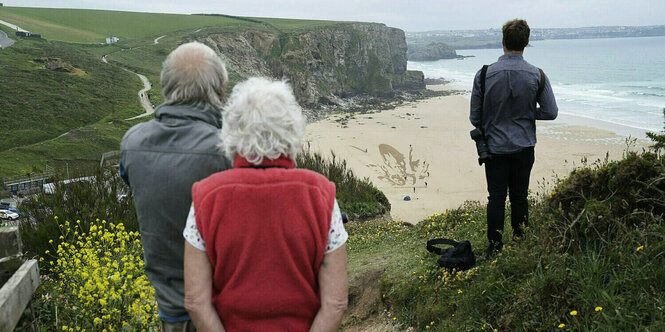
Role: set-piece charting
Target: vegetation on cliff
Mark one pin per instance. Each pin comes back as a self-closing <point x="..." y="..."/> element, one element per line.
<point x="591" y="259"/>
<point x="81" y="228"/>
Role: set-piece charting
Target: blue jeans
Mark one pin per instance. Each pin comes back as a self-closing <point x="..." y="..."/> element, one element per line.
<point x="508" y="173"/>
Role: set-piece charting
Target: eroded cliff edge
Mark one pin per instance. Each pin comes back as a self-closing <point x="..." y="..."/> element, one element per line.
<point x="324" y="64"/>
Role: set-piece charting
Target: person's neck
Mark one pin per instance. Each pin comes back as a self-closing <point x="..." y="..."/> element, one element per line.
<point x="505" y="51"/>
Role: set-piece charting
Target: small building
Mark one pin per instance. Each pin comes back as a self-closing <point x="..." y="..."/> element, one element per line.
<point x="27" y="34"/>
<point x="28" y="185"/>
<point x="111" y="40"/>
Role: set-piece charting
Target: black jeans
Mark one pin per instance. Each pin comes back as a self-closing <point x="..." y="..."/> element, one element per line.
<point x="508" y="172"/>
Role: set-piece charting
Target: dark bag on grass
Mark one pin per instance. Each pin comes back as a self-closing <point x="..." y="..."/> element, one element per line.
<point x="459" y="256"/>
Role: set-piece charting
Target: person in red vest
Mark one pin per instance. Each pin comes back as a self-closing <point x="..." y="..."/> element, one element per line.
<point x="265" y="243"/>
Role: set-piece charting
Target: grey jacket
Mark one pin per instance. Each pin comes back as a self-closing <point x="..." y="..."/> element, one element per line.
<point x="509" y="111"/>
<point x="161" y="159"/>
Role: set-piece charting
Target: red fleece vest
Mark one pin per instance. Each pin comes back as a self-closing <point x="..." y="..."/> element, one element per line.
<point x="265" y="229"/>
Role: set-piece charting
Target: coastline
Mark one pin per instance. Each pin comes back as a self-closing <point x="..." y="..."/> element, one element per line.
<point x="423" y="150"/>
<point x="568" y="118"/>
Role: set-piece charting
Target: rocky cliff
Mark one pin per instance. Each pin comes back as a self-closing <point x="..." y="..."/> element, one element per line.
<point x="324" y="64"/>
<point x="431" y="52"/>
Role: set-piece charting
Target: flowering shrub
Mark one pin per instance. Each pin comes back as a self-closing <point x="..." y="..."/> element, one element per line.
<point x="97" y="280"/>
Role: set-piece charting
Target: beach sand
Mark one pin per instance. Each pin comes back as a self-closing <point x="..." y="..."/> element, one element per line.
<point x="423" y="150"/>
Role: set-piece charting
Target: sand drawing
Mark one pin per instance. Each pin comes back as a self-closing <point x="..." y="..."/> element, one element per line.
<point x="398" y="169"/>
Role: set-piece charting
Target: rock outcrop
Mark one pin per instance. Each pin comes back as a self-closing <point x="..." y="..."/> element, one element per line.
<point x="432" y="52"/>
<point x="57" y="64"/>
<point x="324" y="64"/>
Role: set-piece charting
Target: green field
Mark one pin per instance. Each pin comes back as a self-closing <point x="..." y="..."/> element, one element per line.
<point x="93" y="26"/>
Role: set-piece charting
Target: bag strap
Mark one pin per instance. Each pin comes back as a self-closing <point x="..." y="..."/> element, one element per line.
<point x="436" y="250"/>
<point x="541" y="85"/>
<point x="483" y="75"/>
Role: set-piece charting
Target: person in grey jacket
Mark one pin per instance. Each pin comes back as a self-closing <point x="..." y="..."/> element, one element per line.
<point x="507" y="114"/>
<point x="160" y="160"/>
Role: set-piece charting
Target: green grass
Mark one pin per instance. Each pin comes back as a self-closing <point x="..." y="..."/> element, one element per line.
<point x="39" y="105"/>
<point x="93" y="26"/>
<point x="584" y="264"/>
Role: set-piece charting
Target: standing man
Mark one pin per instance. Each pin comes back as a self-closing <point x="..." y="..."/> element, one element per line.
<point x="162" y="158"/>
<point x="506" y="112"/>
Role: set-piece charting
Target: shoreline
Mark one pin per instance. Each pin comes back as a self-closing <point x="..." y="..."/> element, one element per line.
<point x="572" y="119"/>
<point x="422" y="149"/>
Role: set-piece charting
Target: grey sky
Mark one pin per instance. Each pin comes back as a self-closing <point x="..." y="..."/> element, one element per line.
<point x="414" y="15"/>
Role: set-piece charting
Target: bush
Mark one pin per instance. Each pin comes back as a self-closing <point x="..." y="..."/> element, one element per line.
<point x="102" y="195"/>
<point x="591" y="259"/>
<point x="610" y="200"/>
<point x="358" y="198"/>
<point x="96" y="280"/>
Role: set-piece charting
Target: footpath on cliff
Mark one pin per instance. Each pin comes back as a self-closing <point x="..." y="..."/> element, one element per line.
<point x="144" y="96"/>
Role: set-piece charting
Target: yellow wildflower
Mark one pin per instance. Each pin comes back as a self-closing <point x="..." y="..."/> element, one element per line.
<point x="562" y="325"/>
<point x="599" y="309"/>
<point x="639" y="248"/>
<point x="573" y="313"/>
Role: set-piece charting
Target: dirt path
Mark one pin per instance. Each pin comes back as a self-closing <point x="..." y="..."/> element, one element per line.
<point x="143" y="93"/>
<point x="158" y="38"/>
<point x="145" y="102"/>
<point x="15" y="27"/>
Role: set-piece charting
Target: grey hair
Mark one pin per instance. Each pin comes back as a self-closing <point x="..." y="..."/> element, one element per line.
<point x="193" y="73"/>
<point x="262" y="119"/>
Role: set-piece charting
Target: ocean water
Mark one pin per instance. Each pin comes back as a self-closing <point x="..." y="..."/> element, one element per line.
<point x="613" y="81"/>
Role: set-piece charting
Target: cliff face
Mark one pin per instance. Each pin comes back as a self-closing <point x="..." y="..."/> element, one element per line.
<point x="323" y="64"/>
<point x="431" y="52"/>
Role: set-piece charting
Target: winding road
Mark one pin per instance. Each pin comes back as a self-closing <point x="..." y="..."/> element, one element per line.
<point x="5" y="41"/>
<point x="145" y="102"/>
<point x="158" y="38"/>
<point x="143" y="96"/>
<point x="13" y="26"/>
<point x="143" y="93"/>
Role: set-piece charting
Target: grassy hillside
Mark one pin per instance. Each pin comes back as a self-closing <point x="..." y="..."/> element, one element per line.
<point x="591" y="260"/>
<point x="48" y="116"/>
<point x="69" y="120"/>
<point x="93" y="26"/>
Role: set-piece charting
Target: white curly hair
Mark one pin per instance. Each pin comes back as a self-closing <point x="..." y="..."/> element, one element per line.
<point x="262" y="119"/>
<point x="193" y="73"/>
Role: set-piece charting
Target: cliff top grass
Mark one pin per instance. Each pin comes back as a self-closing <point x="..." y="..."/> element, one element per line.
<point x="592" y="259"/>
<point x="93" y="26"/>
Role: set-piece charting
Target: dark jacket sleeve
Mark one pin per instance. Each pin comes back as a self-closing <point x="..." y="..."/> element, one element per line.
<point x="476" y="102"/>
<point x="548" y="109"/>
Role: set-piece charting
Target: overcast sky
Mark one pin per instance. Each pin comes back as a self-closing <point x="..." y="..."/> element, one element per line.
<point x="413" y="15"/>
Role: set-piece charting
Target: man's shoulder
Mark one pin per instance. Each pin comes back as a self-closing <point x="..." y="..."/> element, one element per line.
<point x="134" y="132"/>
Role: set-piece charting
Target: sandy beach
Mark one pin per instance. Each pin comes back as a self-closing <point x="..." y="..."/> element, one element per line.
<point x="423" y="150"/>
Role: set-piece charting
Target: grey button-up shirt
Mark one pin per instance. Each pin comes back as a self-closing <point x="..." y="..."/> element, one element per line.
<point x="509" y="111"/>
